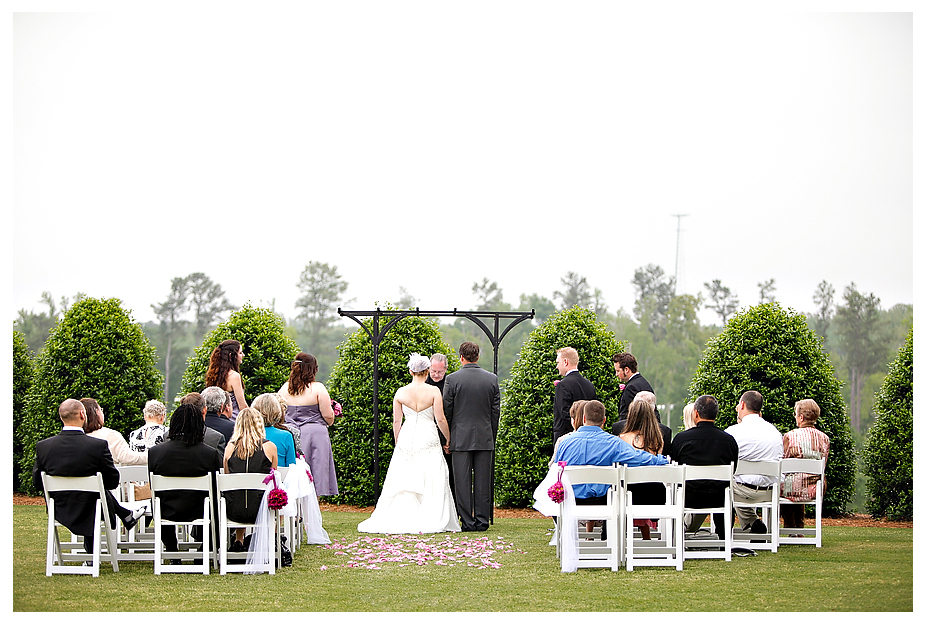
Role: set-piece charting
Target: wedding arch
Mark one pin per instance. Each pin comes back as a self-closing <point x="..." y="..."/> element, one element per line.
<point x="495" y="335"/>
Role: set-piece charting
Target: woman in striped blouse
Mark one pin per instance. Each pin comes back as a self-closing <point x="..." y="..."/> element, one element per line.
<point x="806" y="442"/>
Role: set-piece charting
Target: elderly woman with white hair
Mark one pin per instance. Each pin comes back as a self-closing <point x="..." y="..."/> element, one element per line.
<point x="416" y="495"/>
<point x="153" y="432"/>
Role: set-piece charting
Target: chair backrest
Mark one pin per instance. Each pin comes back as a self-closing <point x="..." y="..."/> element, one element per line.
<point x="164" y="482"/>
<point x="716" y="473"/>
<point x="796" y="464"/>
<point x="94" y="483"/>
<point x="133" y="473"/>
<point x="652" y="474"/>
<point x="240" y="481"/>
<point x="767" y="469"/>
<point x="577" y="475"/>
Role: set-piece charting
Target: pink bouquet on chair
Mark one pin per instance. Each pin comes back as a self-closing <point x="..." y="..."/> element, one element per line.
<point x="555" y="492"/>
<point x="277" y="497"/>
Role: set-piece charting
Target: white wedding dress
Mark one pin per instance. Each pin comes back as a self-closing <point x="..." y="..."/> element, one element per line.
<point x="416" y="496"/>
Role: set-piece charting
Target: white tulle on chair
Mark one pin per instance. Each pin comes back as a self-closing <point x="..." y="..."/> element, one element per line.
<point x="303" y="501"/>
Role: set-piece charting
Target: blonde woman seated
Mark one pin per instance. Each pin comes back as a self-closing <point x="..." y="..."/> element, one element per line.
<point x="248" y="451"/>
<point x="576" y="419"/>
<point x="642" y="431"/>
<point x="688" y="416"/>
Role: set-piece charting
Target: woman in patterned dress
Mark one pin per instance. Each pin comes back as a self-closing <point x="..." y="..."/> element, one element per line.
<point x="805" y="442"/>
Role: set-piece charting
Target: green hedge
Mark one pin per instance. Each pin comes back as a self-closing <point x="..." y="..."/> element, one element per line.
<point x="268" y="352"/>
<point x="23" y="371"/>
<point x="97" y="351"/>
<point x="524" y="446"/>
<point x="351" y="383"/>
<point x="889" y="452"/>
<point x="773" y="351"/>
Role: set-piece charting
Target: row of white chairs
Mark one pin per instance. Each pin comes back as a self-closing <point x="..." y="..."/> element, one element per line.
<point x="670" y="545"/>
<point x="141" y="543"/>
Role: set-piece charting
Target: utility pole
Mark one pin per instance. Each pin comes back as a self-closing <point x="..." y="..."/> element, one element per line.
<point x="679" y="217"/>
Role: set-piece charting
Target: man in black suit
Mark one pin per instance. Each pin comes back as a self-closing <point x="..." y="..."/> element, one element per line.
<point x="183" y="454"/>
<point x="72" y="453"/>
<point x="634" y="382"/>
<point x="705" y="445"/>
<point x="572" y="387"/>
<point x="217" y="400"/>
<point x="471" y="405"/>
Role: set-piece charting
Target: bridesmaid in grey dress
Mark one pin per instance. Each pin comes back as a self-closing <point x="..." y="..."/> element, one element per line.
<point x="309" y="408"/>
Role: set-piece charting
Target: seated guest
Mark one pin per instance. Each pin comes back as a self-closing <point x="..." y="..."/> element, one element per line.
<point x="248" y="451"/>
<point x="688" y="416"/>
<point x="219" y="411"/>
<point x="72" y="453"/>
<point x="650" y="398"/>
<point x="153" y="431"/>
<point x="590" y="445"/>
<point x="642" y="431"/>
<point x="93" y="426"/>
<point x="704" y="445"/>
<point x="757" y="441"/>
<point x="212" y="437"/>
<point x="806" y="442"/>
<point x="183" y="454"/>
<point x="576" y="420"/>
<point x="269" y="408"/>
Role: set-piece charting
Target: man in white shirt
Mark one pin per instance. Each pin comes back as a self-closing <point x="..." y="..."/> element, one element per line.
<point x="757" y="440"/>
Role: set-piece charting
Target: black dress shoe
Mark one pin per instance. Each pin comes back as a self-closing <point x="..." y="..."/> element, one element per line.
<point x="132" y="519"/>
<point x="758" y="526"/>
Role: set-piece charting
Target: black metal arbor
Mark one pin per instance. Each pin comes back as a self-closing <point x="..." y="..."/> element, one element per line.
<point x="377" y="333"/>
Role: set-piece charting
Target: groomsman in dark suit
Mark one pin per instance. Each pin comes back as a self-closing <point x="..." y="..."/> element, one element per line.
<point x="634" y="382"/>
<point x="471" y="405"/>
<point x="72" y="453"/>
<point x="572" y="387"/>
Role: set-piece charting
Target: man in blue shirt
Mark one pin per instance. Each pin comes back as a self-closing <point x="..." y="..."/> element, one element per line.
<point x="591" y="446"/>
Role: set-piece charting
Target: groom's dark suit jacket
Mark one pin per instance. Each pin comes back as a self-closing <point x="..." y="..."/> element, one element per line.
<point x="635" y="384"/>
<point x="471" y="406"/>
<point x="75" y="454"/>
<point x="573" y="387"/>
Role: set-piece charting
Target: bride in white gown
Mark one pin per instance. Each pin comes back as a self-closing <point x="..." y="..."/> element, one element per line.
<point x="416" y="496"/>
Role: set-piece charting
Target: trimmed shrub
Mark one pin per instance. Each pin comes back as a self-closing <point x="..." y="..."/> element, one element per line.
<point x="23" y="369"/>
<point x="96" y="351"/>
<point x="523" y="445"/>
<point x="889" y="452"/>
<point x="774" y="352"/>
<point x="351" y="383"/>
<point x="268" y="352"/>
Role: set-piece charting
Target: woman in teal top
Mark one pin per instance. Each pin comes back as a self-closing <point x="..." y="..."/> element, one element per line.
<point x="269" y="407"/>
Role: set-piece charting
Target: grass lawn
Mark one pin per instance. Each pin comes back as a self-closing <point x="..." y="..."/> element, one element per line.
<point x="858" y="569"/>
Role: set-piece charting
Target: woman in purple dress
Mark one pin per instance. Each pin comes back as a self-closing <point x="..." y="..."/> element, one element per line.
<point x="223" y="372"/>
<point x="309" y="407"/>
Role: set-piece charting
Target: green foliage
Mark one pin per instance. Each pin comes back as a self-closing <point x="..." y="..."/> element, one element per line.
<point x="771" y="350"/>
<point x="351" y="383"/>
<point x="23" y="370"/>
<point x="524" y="444"/>
<point x="96" y="351"/>
<point x="268" y="352"/>
<point x="889" y="453"/>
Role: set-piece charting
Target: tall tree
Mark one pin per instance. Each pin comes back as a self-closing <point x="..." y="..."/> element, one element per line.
<point x="543" y="307"/>
<point x="489" y="295"/>
<point x="576" y="292"/>
<point x="653" y="291"/>
<point x="322" y="290"/>
<point x="36" y="327"/>
<point x="863" y="341"/>
<point x="824" y="299"/>
<point x="169" y="314"/>
<point x="207" y="301"/>
<point x="767" y="291"/>
<point x="721" y="300"/>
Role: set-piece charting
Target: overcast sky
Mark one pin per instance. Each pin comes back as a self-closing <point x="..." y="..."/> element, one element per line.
<point x="430" y="147"/>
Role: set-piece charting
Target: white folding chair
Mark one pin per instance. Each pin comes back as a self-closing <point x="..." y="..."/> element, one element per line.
<point x="770" y="509"/>
<point x="161" y="484"/>
<point x="789" y="535"/>
<point x="707" y="548"/>
<point x="242" y="481"/>
<point x="595" y="553"/>
<point x="136" y="543"/>
<point x="668" y="550"/>
<point x="55" y="549"/>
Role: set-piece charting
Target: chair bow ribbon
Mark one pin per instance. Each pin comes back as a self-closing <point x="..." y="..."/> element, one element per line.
<point x="277" y="497"/>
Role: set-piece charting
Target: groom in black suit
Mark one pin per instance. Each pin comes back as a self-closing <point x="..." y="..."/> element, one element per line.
<point x="471" y="405"/>
<point x="571" y="388"/>
<point x="72" y="453"/>
<point x="634" y="382"/>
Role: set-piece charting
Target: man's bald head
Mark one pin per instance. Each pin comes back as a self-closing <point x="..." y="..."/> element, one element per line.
<point x="72" y="413"/>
